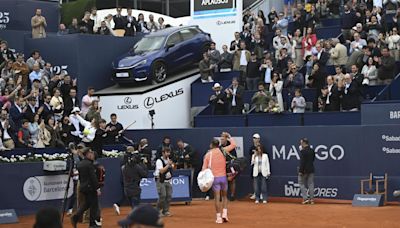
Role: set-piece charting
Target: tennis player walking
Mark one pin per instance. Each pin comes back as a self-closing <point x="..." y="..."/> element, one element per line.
<point x="218" y="168"/>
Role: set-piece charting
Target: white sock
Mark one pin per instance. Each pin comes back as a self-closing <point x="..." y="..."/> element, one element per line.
<point x="218" y="215"/>
<point x="225" y="211"/>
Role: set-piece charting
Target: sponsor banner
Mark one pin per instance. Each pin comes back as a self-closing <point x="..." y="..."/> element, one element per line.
<point x="362" y="200"/>
<point x="8" y="216"/>
<point x="180" y="188"/>
<point x="171" y="105"/>
<point x="220" y="18"/>
<point x="41" y="188"/>
<point x="389" y="113"/>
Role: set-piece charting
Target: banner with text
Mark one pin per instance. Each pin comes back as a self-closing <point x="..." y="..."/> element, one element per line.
<point x="220" y="18"/>
<point x="171" y="104"/>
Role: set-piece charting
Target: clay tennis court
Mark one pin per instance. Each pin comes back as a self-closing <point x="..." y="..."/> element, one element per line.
<point x="274" y="214"/>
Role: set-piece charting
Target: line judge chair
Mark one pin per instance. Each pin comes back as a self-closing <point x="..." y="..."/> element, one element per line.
<point x="377" y="184"/>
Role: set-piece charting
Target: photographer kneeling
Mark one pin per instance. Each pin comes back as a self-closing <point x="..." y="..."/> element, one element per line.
<point x="133" y="171"/>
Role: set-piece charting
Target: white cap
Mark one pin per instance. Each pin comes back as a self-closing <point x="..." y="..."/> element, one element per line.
<point x="256" y="135"/>
<point x="217" y="85"/>
<point x="76" y="109"/>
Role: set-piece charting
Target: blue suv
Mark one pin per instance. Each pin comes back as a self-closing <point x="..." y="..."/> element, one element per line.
<point x="160" y="53"/>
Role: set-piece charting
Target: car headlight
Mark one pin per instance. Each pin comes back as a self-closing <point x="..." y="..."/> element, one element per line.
<point x="141" y="63"/>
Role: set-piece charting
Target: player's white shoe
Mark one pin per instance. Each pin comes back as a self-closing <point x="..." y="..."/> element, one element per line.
<point x="116" y="209"/>
<point x="219" y="220"/>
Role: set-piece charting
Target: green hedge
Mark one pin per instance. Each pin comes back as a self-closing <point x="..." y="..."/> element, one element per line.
<point x="75" y="9"/>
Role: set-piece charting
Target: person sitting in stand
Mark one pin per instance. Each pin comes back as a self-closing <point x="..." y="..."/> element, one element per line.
<point x="24" y="136"/>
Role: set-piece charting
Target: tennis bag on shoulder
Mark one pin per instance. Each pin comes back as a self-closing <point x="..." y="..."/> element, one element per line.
<point x="234" y="165"/>
<point x="101" y="174"/>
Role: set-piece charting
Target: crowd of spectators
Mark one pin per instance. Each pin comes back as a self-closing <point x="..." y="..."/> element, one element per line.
<point x="273" y="57"/>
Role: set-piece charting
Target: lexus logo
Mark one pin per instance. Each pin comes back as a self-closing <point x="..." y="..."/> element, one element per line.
<point x="128" y="100"/>
<point x="149" y="102"/>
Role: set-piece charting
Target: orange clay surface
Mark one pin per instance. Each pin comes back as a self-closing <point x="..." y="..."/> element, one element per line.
<point x="248" y="214"/>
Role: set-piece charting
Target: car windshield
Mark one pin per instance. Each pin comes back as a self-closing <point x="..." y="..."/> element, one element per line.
<point x="150" y="43"/>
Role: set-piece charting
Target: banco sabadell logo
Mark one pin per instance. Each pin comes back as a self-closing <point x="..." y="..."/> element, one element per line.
<point x="32" y="189"/>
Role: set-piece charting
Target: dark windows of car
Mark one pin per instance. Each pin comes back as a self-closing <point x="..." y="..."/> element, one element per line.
<point x="188" y="34"/>
<point x="174" y="39"/>
<point x="149" y="43"/>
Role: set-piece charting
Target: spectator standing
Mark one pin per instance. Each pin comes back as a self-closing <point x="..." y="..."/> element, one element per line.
<point x="260" y="99"/>
<point x="7" y="129"/>
<point x="119" y="20"/>
<point x="235" y="44"/>
<point x="24" y="136"/>
<point x="142" y="24"/>
<point x="306" y="172"/>
<point x="74" y="28"/>
<point x="206" y="69"/>
<point x="281" y="23"/>
<point x="161" y="24"/>
<point x="34" y="130"/>
<point x="94" y="112"/>
<point x="115" y="130"/>
<point x="225" y="64"/>
<point x="218" y="100"/>
<point x="234" y="94"/>
<point x="338" y="53"/>
<point x="240" y="60"/>
<point x="166" y="142"/>
<point x="298" y="102"/>
<point x="350" y="94"/>
<point x="57" y="104"/>
<point x="386" y="67"/>
<point x="252" y="72"/>
<point x="131" y="23"/>
<point x="293" y="81"/>
<point x="87" y="100"/>
<point x="96" y="19"/>
<point x="261" y="172"/>
<point x="275" y="89"/>
<point x="370" y="73"/>
<point x="332" y="102"/>
<point x="70" y="101"/>
<point x="39" y="24"/>
<point x="308" y="42"/>
<point x="184" y="155"/>
<point x="152" y="25"/>
<point x="36" y="73"/>
<point x="86" y="25"/>
<point x="348" y="20"/>
<point x="17" y="111"/>
<point x="297" y="46"/>
<point x="35" y="59"/>
<point x="393" y="41"/>
<point x="215" y="56"/>
<point x="357" y="44"/>
<point x="103" y="29"/>
<point x="266" y="70"/>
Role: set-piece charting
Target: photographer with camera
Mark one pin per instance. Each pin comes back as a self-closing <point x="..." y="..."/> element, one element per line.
<point x="132" y="172"/>
<point x="183" y="155"/>
<point x="163" y="177"/>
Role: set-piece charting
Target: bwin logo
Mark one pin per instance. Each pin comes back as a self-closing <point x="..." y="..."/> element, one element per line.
<point x="293" y="189"/>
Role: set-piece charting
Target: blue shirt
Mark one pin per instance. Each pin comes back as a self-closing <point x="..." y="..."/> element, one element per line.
<point x="35" y="75"/>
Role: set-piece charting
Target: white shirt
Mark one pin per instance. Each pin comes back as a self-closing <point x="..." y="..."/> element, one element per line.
<point x="234" y="89"/>
<point x="267" y="77"/>
<point x="243" y="59"/>
<point x="5" y="132"/>
<point x="159" y="165"/>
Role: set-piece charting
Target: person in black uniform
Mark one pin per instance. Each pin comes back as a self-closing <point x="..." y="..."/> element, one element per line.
<point x="89" y="187"/>
<point x="133" y="172"/>
<point x="98" y="141"/>
<point x="306" y="171"/>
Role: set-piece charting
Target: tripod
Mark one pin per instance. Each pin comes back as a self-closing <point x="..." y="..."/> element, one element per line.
<point x="71" y="163"/>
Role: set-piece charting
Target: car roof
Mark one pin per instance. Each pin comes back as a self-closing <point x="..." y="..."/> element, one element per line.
<point x="168" y="31"/>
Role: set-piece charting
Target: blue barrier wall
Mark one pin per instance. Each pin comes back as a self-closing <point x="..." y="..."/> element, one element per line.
<point x="17" y="14"/>
<point x="14" y="38"/>
<point x="344" y="155"/>
<point x="86" y="57"/>
<point x="381" y="113"/>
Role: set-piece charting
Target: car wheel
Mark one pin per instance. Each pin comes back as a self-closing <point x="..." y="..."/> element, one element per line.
<point x="159" y="72"/>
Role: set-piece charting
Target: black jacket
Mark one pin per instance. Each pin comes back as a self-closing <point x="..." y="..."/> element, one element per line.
<point x="217" y="108"/>
<point x="238" y="97"/>
<point x="87" y="176"/>
<point x="132" y="175"/>
<point x="180" y="154"/>
<point x="98" y="141"/>
<point x="351" y="98"/>
<point x="334" y="100"/>
<point x="69" y="105"/>
<point x="307" y="157"/>
<point x="130" y="26"/>
<point x="119" y="22"/>
<point x="113" y="133"/>
<point x="148" y="153"/>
